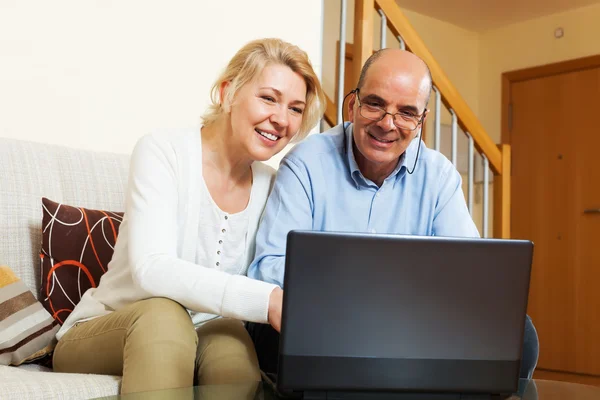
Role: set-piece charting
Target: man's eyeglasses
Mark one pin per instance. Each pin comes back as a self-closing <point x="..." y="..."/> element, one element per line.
<point x="402" y="120"/>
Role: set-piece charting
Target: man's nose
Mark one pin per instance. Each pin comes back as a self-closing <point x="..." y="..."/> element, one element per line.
<point x="387" y="122"/>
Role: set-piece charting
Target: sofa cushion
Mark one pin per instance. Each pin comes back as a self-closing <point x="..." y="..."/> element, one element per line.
<point x="77" y="244"/>
<point x="33" y="382"/>
<point x="30" y="171"/>
<point x="26" y="330"/>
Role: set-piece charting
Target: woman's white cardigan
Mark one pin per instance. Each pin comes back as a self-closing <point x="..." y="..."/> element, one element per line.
<point x="156" y="247"/>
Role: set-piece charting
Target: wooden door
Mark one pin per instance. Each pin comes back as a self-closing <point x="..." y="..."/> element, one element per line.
<point x="555" y="138"/>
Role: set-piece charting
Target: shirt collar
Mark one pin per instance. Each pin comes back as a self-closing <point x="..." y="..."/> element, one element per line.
<point x="355" y="173"/>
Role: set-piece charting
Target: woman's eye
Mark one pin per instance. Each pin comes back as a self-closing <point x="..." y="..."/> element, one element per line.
<point x="269" y="99"/>
<point x="297" y="110"/>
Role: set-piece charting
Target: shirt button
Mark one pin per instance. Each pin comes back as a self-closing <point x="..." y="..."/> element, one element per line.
<point x="223" y="230"/>
<point x="217" y="263"/>
<point x="220" y="242"/>
<point x="218" y="251"/>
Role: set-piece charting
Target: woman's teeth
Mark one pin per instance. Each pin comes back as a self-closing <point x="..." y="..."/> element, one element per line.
<point x="269" y="136"/>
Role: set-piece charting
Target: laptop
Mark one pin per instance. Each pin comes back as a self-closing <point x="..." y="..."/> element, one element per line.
<point x="389" y="314"/>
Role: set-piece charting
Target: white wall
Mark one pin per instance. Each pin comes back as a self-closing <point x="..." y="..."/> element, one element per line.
<point x="100" y="74"/>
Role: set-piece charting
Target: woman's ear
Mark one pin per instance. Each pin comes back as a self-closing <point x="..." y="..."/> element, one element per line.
<point x="223" y="96"/>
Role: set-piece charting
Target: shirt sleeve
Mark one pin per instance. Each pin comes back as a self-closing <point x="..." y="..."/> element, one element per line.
<point x="290" y="207"/>
<point x="452" y="217"/>
<point x="152" y="204"/>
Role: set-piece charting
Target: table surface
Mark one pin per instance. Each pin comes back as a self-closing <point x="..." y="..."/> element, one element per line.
<point x="528" y="390"/>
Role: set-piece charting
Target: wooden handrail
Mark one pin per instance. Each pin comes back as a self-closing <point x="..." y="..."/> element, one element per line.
<point x="400" y="26"/>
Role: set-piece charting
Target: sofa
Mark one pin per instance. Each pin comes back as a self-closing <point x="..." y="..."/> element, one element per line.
<point x="30" y="171"/>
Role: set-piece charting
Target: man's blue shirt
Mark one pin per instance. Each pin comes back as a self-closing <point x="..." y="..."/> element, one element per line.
<point x="319" y="187"/>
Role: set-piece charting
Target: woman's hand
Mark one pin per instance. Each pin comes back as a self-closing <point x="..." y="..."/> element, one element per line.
<point x="275" y="306"/>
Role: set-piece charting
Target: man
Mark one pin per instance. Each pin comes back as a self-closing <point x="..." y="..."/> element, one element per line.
<point x="368" y="175"/>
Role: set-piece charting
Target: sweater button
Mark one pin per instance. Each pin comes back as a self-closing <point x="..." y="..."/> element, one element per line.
<point x="218" y="251"/>
<point x="223" y="230"/>
<point x="217" y="263"/>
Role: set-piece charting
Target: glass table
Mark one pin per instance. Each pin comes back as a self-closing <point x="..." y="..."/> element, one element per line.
<point x="528" y="390"/>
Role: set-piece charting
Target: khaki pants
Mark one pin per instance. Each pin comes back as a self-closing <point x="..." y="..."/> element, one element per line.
<point x="153" y="344"/>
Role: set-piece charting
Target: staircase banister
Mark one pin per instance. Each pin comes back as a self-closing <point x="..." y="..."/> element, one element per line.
<point x="400" y="26"/>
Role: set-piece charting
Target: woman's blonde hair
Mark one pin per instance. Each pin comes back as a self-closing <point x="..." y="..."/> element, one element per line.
<point x="250" y="60"/>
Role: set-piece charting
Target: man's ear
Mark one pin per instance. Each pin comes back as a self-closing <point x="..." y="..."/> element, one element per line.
<point x="419" y="130"/>
<point x="351" y="103"/>
<point x="223" y="96"/>
<point x="425" y="117"/>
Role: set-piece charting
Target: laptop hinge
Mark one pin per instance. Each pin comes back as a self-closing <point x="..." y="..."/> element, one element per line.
<point x="335" y="395"/>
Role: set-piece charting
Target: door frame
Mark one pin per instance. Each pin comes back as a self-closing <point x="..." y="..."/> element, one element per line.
<point x="541" y="71"/>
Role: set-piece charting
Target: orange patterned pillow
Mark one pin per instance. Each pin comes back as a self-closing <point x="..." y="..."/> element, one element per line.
<point x="77" y="244"/>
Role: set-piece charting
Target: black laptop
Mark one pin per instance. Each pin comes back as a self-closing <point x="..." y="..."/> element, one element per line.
<point x="391" y="315"/>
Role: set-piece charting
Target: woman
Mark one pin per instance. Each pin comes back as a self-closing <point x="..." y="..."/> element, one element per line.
<point x="193" y="204"/>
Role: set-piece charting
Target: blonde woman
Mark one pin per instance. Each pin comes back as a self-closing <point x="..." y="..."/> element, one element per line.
<point x="168" y="312"/>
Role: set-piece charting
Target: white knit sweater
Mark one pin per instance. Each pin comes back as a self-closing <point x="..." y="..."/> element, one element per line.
<point x="157" y="244"/>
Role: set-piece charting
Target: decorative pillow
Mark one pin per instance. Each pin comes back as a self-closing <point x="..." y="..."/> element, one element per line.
<point x="26" y="330"/>
<point x="77" y="245"/>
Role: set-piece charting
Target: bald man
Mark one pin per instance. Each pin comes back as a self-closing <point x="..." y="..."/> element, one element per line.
<point x="366" y="175"/>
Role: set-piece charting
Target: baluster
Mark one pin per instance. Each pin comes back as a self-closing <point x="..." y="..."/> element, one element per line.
<point x="342" y="63"/>
<point x="402" y="44"/>
<point x="454" y="152"/>
<point x="486" y="181"/>
<point x="437" y="142"/>
<point x="470" y="190"/>
<point x="382" y="30"/>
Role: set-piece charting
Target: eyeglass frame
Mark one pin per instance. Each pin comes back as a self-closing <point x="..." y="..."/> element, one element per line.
<point x="420" y="120"/>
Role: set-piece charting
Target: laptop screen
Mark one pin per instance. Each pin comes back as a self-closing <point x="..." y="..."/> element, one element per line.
<point x="386" y="297"/>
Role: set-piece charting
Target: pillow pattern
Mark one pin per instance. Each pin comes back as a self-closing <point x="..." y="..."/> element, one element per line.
<point x="26" y="330"/>
<point x="77" y="244"/>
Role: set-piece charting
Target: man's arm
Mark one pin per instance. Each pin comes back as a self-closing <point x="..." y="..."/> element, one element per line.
<point x="289" y="207"/>
<point x="452" y="216"/>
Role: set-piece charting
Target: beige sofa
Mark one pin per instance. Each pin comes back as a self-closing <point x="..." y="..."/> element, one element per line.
<point x="28" y="172"/>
